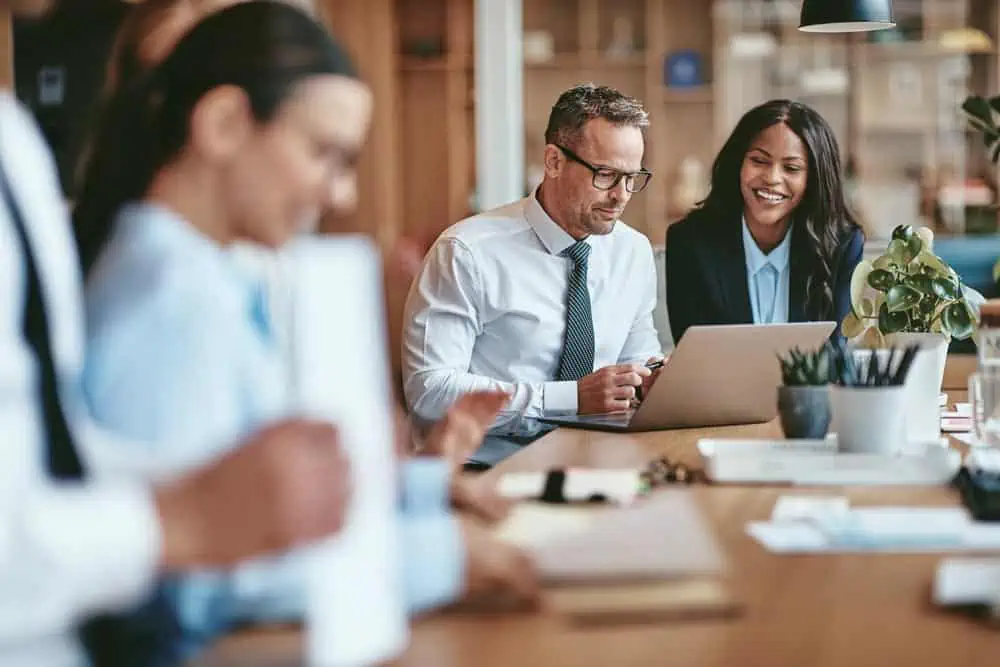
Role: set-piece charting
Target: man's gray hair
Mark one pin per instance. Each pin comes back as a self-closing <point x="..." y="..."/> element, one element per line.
<point x="587" y="101"/>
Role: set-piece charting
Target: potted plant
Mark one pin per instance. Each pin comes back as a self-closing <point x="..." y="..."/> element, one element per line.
<point x="909" y="295"/>
<point x="803" y="400"/>
<point x="908" y="289"/>
<point x="981" y="114"/>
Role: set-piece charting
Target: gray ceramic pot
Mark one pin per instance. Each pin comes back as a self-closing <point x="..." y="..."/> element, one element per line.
<point x="804" y="411"/>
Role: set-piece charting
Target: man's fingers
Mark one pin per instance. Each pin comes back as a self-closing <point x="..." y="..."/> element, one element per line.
<point x="617" y="405"/>
<point x="626" y="369"/>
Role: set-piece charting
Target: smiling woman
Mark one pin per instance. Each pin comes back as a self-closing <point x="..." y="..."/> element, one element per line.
<point x="774" y="240"/>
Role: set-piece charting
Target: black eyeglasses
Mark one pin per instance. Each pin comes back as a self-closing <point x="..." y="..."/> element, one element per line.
<point x="606" y="179"/>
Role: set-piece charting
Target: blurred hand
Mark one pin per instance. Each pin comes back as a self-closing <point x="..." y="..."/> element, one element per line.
<point x="496" y="570"/>
<point x="610" y="389"/>
<point x="459" y="434"/>
<point x="285" y="486"/>
<point x="478" y="496"/>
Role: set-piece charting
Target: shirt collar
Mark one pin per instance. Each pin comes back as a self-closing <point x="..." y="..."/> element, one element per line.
<point x="755" y="257"/>
<point x="555" y="239"/>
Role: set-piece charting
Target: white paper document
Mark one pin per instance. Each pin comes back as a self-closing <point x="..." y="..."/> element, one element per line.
<point x="827" y="527"/>
<point x="355" y="611"/>
<point x="961" y="581"/>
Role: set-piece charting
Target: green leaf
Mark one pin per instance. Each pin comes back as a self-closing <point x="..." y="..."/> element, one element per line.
<point x="822" y="371"/>
<point x="979" y="113"/>
<point x="927" y="236"/>
<point x="884" y="262"/>
<point x="851" y="326"/>
<point x="957" y="321"/>
<point x="858" y="281"/>
<point x="933" y="264"/>
<point x="900" y="250"/>
<point x="902" y="233"/>
<point x="881" y="280"/>
<point x="994" y="103"/>
<point x="901" y="297"/>
<point x="945" y="288"/>
<point x="921" y="283"/>
<point x="891" y="322"/>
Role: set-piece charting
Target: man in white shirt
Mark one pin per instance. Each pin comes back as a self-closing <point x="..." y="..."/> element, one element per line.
<point x="550" y="298"/>
<point x="73" y="547"/>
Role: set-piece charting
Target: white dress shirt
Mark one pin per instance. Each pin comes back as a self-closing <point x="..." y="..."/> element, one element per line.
<point x="66" y="551"/>
<point x="757" y="264"/>
<point x="488" y="311"/>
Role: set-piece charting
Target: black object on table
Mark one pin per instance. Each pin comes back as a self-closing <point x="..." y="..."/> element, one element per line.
<point x="980" y="492"/>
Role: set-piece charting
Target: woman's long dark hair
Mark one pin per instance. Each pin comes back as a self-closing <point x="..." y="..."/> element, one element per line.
<point x="822" y="215"/>
<point x="264" y="47"/>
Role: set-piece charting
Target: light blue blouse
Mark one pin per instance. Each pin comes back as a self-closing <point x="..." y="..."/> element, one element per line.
<point x="768" y="278"/>
<point x="179" y="353"/>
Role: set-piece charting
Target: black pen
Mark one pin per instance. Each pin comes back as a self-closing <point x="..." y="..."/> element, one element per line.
<point x="651" y="365"/>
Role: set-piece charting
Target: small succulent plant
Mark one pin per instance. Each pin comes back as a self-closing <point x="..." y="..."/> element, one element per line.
<point x="810" y="368"/>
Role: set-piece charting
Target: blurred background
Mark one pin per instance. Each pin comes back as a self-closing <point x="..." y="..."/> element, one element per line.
<point x="892" y="96"/>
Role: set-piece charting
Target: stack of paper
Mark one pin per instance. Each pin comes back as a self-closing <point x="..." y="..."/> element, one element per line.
<point x="653" y="560"/>
<point x="825" y="525"/>
<point x="965" y="581"/>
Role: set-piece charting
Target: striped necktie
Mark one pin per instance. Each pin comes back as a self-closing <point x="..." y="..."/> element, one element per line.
<point x="577" y="357"/>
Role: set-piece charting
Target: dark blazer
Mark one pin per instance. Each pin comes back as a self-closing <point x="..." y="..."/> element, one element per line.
<point x="707" y="276"/>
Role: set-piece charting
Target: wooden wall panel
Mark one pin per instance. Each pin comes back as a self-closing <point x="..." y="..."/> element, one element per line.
<point x="367" y="30"/>
<point x="6" y="50"/>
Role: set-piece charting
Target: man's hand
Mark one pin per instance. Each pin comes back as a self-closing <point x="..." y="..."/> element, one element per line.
<point x="647" y="382"/>
<point x="459" y="434"/>
<point x="478" y="496"/>
<point x="286" y="486"/>
<point x="610" y="389"/>
<point x="495" y="570"/>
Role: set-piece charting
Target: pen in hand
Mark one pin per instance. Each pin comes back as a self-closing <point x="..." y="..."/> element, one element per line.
<point x="653" y="366"/>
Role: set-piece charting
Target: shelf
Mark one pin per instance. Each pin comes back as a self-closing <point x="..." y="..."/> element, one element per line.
<point x="692" y="95"/>
<point x="408" y="63"/>
<point x="907" y="50"/>
<point x="558" y="61"/>
<point x="587" y="61"/>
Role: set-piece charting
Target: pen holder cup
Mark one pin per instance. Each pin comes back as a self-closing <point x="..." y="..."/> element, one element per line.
<point x="869" y="419"/>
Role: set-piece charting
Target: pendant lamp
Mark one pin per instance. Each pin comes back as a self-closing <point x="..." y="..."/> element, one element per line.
<point x="846" y="15"/>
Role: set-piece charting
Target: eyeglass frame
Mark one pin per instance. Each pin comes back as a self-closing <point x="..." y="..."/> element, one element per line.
<point x="629" y="176"/>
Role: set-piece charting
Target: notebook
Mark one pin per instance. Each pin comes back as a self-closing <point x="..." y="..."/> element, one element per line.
<point x="652" y="560"/>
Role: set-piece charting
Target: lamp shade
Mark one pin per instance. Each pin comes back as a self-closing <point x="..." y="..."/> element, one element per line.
<point x="846" y="15"/>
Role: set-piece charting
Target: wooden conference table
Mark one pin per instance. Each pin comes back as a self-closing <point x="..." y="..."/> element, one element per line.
<point x="799" y="611"/>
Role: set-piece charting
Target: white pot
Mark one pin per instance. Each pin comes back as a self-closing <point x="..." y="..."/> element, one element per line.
<point x="870" y="420"/>
<point x="923" y="384"/>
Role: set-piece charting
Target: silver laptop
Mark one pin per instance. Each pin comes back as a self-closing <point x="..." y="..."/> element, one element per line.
<point x="716" y="376"/>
